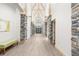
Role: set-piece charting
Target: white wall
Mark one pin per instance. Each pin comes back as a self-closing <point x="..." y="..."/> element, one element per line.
<point x="29" y="19"/>
<point x="28" y="27"/>
<point x="9" y="12"/>
<point x="63" y="27"/>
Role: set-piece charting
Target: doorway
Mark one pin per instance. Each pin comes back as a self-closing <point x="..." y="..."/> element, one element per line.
<point x="39" y="30"/>
<point x="53" y="32"/>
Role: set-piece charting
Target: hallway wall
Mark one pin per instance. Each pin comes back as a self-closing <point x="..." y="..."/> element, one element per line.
<point x="63" y="27"/>
<point x="29" y="19"/>
<point x="28" y="27"/>
<point x="11" y="13"/>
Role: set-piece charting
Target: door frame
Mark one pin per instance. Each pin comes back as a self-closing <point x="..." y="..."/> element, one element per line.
<point x="53" y="24"/>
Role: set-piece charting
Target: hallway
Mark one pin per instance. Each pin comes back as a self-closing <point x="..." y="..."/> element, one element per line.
<point x="37" y="45"/>
<point x="22" y="22"/>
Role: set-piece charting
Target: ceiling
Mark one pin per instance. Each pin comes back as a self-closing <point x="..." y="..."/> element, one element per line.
<point x="38" y="9"/>
<point x="38" y="13"/>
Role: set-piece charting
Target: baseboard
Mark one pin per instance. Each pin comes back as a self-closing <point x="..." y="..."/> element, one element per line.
<point x="60" y="51"/>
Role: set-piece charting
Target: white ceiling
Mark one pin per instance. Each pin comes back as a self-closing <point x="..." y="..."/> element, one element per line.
<point x="38" y="13"/>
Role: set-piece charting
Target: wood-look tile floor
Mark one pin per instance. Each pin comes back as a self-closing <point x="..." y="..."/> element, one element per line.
<point x="37" y="45"/>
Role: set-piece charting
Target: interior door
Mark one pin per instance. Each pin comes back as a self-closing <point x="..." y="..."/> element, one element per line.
<point x="38" y="30"/>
